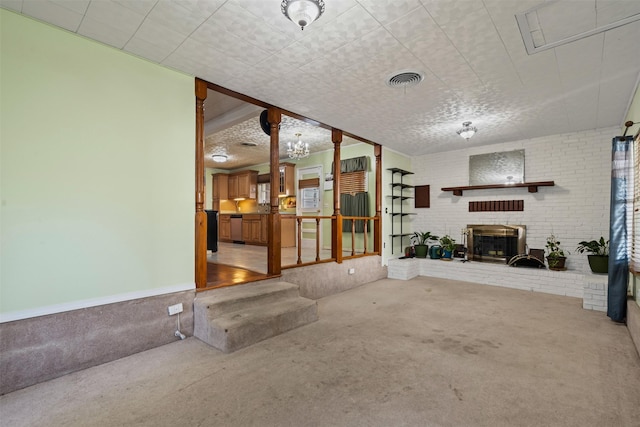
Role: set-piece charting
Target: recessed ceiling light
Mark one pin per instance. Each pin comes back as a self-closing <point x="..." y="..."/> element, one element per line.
<point x="220" y="158"/>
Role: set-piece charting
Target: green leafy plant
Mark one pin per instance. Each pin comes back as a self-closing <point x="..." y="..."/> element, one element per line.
<point x="422" y="237"/>
<point x="595" y="247"/>
<point x="447" y="243"/>
<point x="553" y="247"/>
<point x="554" y="250"/>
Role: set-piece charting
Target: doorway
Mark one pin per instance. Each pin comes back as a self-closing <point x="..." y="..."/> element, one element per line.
<point x="310" y="203"/>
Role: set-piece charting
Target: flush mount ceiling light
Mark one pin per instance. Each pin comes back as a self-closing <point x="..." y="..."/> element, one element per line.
<point x="302" y="12"/>
<point x="467" y="130"/>
<point x="298" y="150"/>
<point x="220" y="158"/>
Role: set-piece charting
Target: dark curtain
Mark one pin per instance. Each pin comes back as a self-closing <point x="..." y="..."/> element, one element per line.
<point x="621" y="184"/>
<point x="353" y="165"/>
<point x="354" y="205"/>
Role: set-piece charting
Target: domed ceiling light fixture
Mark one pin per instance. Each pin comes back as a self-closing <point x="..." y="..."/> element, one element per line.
<point x="302" y="12"/>
<point x="298" y="150"/>
<point x="467" y="130"/>
<point x="219" y="158"/>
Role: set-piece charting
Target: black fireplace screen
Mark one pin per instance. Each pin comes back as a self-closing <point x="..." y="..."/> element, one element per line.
<point x="496" y="243"/>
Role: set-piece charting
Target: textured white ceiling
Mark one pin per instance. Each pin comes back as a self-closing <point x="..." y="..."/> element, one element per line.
<point x="229" y="131"/>
<point x="471" y="53"/>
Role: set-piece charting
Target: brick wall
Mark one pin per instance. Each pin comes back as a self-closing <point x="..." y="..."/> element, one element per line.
<point x="576" y="209"/>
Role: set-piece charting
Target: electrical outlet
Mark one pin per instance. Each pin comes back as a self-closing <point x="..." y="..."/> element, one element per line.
<point x="175" y="309"/>
<point x="352" y="271"/>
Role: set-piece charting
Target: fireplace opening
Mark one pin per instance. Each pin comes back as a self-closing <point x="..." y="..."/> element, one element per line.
<point x="495" y="242"/>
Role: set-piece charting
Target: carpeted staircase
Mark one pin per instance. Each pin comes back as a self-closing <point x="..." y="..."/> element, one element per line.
<point x="235" y="317"/>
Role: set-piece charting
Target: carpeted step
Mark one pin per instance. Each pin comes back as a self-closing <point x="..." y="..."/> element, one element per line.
<point x="243" y="315"/>
<point x="233" y="298"/>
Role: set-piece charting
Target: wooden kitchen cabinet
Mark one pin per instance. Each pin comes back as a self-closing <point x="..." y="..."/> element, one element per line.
<point x="224" y="227"/>
<point x="232" y="187"/>
<point x="220" y="190"/>
<point x="243" y="185"/>
<point x="287" y="180"/>
<point x="288" y="231"/>
<point x="252" y="225"/>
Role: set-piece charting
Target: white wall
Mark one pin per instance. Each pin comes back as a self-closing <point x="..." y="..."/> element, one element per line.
<point x="575" y="209"/>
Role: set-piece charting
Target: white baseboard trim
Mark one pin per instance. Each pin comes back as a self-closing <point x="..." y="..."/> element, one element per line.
<point x="93" y="302"/>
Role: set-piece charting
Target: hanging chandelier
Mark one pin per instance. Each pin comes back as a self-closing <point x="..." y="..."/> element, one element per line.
<point x="298" y="150"/>
<point x="302" y="12"/>
<point x="467" y="130"/>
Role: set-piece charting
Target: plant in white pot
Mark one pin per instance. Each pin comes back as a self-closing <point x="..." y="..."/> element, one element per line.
<point x="420" y="240"/>
<point x="599" y="254"/>
<point x="556" y="258"/>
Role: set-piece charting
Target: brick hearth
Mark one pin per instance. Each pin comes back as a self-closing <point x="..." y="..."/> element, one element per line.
<point x="592" y="288"/>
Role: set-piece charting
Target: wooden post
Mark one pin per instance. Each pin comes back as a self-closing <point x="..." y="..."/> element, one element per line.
<point x="274" y="248"/>
<point x="377" y="225"/>
<point x="336" y="227"/>
<point x="201" y="216"/>
<point x="317" y="239"/>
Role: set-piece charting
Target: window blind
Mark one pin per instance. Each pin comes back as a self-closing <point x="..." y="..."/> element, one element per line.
<point x="309" y="183"/>
<point x="353" y="182"/>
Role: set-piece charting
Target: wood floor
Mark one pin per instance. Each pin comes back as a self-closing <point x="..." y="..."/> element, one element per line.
<point x="219" y="275"/>
<point x="235" y="263"/>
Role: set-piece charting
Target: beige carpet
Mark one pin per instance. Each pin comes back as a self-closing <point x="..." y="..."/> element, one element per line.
<point x="425" y="352"/>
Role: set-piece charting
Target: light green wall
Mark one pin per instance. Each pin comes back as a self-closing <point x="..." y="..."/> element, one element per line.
<point x="97" y="170"/>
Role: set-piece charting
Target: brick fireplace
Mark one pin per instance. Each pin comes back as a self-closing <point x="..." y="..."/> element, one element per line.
<point x="495" y="242"/>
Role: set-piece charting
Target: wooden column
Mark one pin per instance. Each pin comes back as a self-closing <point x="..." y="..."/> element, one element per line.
<point x="274" y="248"/>
<point x="336" y="226"/>
<point x="201" y="216"/>
<point x="377" y="225"/>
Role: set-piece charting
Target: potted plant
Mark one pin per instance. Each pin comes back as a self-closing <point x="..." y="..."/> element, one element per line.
<point x="420" y="239"/>
<point x="556" y="258"/>
<point x="599" y="258"/>
<point x="448" y="246"/>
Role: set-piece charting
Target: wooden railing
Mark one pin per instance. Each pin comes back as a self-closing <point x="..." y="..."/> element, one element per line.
<point x="359" y="247"/>
<point x="300" y="230"/>
<point x="365" y="234"/>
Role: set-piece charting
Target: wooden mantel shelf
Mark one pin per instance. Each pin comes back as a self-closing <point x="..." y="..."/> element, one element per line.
<point x="532" y="186"/>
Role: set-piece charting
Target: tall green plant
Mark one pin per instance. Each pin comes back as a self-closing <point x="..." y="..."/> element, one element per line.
<point x="422" y="237"/>
<point x="595" y="247"/>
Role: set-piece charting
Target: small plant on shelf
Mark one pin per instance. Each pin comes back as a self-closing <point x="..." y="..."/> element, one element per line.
<point x="595" y="247"/>
<point x="448" y="246"/>
<point x="599" y="254"/>
<point x="556" y="257"/>
<point x="420" y="240"/>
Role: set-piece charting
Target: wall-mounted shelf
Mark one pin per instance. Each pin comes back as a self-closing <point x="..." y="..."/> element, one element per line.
<point x="532" y="186"/>
<point x="397" y="209"/>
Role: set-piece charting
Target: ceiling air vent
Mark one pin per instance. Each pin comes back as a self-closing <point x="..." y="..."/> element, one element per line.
<point x="405" y="79"/>
<point x="249" y="144"/>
